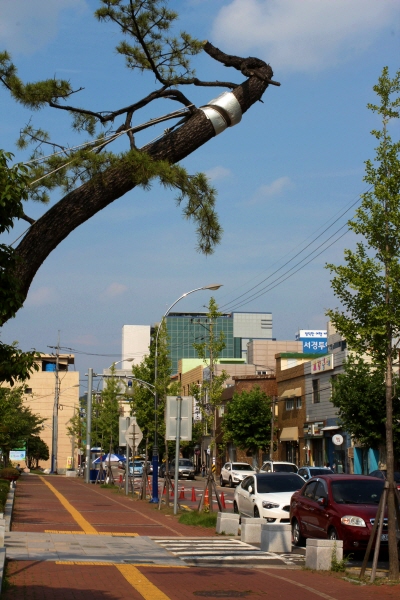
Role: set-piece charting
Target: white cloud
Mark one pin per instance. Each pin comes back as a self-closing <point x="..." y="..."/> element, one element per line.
<point x="28" y="25"/>
<point x="41" y="297"/>
<point x="218" y="173"/>
<point x="276" y="188"/>
<point x="114" y="289"/>
<point x="302" y="35"/>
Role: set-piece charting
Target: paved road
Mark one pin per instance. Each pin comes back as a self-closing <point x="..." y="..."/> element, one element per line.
<point x="70" y="540"/>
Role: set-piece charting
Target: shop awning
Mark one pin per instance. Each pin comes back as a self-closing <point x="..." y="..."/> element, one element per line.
<point x="295" y="392"/>
<point x="330" y="428"/>
<point x="289" y="434"/>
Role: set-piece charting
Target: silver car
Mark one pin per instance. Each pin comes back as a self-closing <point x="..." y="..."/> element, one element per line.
<point x="233" y="473"/>
<point x="185" y="469"/>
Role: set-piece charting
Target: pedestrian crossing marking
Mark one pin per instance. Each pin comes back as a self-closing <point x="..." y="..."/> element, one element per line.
<point x="205" y="550"/>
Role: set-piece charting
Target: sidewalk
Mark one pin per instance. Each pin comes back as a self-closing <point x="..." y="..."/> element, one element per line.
<point x="107" y="553"/>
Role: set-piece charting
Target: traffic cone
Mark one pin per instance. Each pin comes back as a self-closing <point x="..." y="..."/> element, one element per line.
<point x="172" y="491"/>
<point x="164" y="491"/>
<point x="206" y="501"/>
<point x="182" y="494"/>
<point x="222" y="498"/>
<point x="193" y="498"/>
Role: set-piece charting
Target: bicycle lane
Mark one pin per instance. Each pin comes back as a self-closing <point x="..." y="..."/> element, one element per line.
<point x="64" y="579"/>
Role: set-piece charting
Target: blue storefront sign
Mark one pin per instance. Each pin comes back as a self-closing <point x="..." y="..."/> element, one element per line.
<point x="313" y="340"/>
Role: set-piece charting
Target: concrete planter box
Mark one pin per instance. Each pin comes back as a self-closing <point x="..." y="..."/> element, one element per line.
<point x="319" y="553"/>
<point x="70" y="474"/>
<point x="227" y="523"/>
<point x="276" y="537"/>
<point x="251" y="530"/>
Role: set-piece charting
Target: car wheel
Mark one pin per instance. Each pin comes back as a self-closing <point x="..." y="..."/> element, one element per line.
<point x="221" y="481"/>
<point x="298" y="539"/>
<point x="231" y="482"/>
<point x="333" y="534"/>
<point x="256" y="513"/>
<point x="235" y="508"/>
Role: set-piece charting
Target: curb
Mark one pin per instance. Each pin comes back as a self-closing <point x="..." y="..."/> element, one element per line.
<point x="7" y="518"/>
<point x="8" y="509"/>
<point x="2" y="564"/>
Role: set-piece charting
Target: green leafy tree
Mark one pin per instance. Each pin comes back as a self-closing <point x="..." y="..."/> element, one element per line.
<point x="105" y="424"/>
<point x="142" y="403"/>
<point x="14" y="364"/>
<point x="209" y="396"/>
<point x="37" y="450"/>
<point x="92" y="176"/>
<point x="76" y="426"/>
<point x="17" y="421"/>
<point x="247" y="421"/>
<point x="359" y="394"/>
<point x="368" y="285"/>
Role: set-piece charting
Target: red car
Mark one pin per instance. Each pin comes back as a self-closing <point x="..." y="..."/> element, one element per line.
<point x="337" y="507"/>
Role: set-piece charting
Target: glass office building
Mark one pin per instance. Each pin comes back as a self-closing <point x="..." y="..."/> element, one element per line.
<point x="239" y="328"/>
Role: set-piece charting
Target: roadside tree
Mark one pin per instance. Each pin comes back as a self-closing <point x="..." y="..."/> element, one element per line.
<point x="36" y="451"/>
<point x="209" y="395"/>
<point x="359" y="394"/>
<point x="368" y="285"/>
<point x="247" y="421"/>
<point x="17" y="421"/>
<point x="91" y="176"/>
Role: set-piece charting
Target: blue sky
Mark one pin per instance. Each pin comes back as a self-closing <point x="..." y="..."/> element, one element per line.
<point x="284" y="174"/>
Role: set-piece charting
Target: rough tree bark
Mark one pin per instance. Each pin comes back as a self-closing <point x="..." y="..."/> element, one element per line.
<point x="82" y="203"/>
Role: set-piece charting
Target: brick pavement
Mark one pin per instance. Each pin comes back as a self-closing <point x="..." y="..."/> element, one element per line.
<point x="52" y="581"/>
<point x="38" y="509"/>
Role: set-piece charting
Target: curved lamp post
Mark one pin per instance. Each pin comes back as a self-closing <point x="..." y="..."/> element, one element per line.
<point x="154" y="499"/>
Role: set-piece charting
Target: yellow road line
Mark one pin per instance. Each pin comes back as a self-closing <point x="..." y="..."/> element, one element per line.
<point x="109" y="533"/>
<point x="75" y="514"/>
<point x="141" y="584"/>
<point x="99" y="563"/>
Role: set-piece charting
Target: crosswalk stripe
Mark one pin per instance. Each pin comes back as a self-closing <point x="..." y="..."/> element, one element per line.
<point x="213" y="549"/>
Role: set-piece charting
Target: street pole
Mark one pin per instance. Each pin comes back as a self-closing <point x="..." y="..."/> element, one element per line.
<point x="128" y="422"/>
<point x="177" y="448"/>
<point x="154" y="498"/>
<point x="54" y="448"/>
<point x="271" y="446"/>
<point x="88" y="423"/>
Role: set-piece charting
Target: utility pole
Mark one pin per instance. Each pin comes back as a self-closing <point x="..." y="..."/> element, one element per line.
<point x="88" y="424"/>
<point x="271" y="447"/>
<point x="54" y="445"/>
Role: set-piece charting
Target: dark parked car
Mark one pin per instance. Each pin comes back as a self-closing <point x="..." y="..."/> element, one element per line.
<point x="337" y="507"/>
<point x="308" y="472"/>
<point x="382" y="474"/>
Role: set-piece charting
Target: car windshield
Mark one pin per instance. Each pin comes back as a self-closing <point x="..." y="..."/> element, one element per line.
<point x="357" y="492"/>
<point x="185" y="463"/>
<point x="274" y="484"/>
<point x="279" y="468"/>
<point x="240" y="467"/>
<point x="314" y="472"/>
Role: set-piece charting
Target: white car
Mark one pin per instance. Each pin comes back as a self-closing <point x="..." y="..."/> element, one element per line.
<point x="233" y="473"/>
<point x="279" y="466"/>
<point x="267" y="495"/>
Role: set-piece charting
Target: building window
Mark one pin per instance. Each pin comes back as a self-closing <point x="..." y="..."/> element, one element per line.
<point x="290" y="404"/>
<point x="315" y="391"/>
<point x="298" y="402"/>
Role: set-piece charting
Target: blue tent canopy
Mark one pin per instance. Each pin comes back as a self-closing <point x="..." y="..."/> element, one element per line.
<point x="109" y="457"/>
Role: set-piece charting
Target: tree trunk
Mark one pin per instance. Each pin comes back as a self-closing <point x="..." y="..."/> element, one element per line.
<point x="391" y="498"/>
<point x="83" y="203"/>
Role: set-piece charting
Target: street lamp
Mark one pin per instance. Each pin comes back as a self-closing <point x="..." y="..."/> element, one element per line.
<point x="154" y="499"/>
<point x="120" y="361"/>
